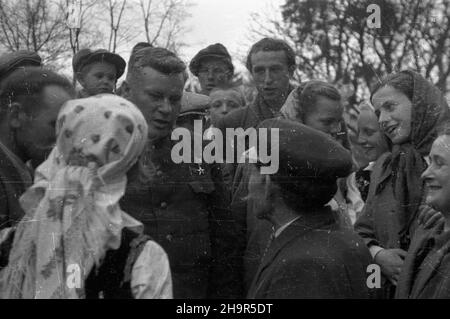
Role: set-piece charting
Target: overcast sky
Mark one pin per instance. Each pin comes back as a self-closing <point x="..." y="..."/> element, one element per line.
<point x="224" y="21"/>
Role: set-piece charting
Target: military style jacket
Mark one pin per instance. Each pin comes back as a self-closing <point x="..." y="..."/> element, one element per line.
<point x="185" y="208"/>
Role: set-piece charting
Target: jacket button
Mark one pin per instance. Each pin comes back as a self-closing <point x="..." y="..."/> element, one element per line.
<point x="163" y="205"/>
<point x="169" y="237"/>
<point x="159" y="173"/>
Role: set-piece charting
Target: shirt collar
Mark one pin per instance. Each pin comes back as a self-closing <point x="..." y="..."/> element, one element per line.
<point x="280" y="230"/>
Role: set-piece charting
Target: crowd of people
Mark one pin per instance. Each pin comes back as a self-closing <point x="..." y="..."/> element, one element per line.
<point x="92" y="204"/>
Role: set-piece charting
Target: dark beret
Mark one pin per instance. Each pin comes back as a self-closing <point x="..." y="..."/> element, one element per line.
<point x="87" y="56"/>
<point x="306" y="156"/>
<point x="194" y="103"/>
<point x="217" y="51"/>
<point x="13" y="60"/>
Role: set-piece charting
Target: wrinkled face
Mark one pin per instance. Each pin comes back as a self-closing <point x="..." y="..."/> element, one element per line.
<point x="223" y="102"/>
<point x="437" y="175"/>
<point x="257" y="187"/>
<point x="213" y="73"/>
<point x="395" y="113"/>
<point x="158" y="97"/>
<point x="36" y="135"/>
<point x="326" y="116"/>
<point x="370" y="137"/>
<point x="100" y="78"/>
<point x="271" y="75"/>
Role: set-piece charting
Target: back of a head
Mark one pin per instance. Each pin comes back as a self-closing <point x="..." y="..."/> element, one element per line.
<point x="271" y="44"/>
<point x="159" y="59"/>
<point x="304" y="172"/>
<point x="30" y="82"/>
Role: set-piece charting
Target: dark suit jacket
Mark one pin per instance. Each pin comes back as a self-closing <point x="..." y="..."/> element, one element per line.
<point x="312" y="258"/>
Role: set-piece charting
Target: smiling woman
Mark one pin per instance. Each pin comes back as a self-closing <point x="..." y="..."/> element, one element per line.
<point x="426" y="270"/>
<point x="410" y="110"/>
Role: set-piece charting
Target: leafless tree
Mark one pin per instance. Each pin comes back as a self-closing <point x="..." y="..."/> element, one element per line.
<point x="116" y="10"/>
<point x="163" y="21"/>
<point x="333" y="41"/>
<point x="35" y="25"/>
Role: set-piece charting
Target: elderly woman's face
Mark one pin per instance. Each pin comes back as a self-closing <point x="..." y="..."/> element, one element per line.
<point x="437" y="175"/>
<point x="395" y="112"/>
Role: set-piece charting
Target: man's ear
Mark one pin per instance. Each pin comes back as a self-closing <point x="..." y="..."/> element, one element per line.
<point x="16" y="115"/>
<point x="125" y="90"/>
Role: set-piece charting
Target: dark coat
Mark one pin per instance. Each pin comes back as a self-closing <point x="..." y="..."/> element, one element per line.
<point x="426" y="272"/>
<point x="313" y="258"/>
<point x="15" y="178"/>
<point x="383" y="228"/>
<point x="186" y="210"/>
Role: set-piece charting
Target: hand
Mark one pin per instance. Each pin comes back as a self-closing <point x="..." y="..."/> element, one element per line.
<point x="430" y="218"/>
<point x="391" y="262"/>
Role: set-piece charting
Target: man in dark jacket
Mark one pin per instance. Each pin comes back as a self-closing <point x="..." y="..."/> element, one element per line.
<point x="184" y="206"/>
<point x="308" y="255"/>
<point x="30" y="99"/>
<point x="271" y="63"/>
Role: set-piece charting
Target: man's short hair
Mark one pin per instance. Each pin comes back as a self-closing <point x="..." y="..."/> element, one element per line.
<point x="160" y="59"/>
<point x="30" y="82"/>
<point x="271" y="44"/>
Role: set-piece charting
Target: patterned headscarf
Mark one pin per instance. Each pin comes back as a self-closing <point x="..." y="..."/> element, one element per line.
<point x="72" y="210"/>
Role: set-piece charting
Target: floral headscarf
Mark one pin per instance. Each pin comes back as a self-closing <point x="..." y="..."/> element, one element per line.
<point x="72" y="210"/>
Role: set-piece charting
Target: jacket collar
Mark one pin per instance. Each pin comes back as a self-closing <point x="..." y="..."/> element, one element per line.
<point x="320" y="219"/>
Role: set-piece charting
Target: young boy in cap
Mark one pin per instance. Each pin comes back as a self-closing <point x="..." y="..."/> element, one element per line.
<point x="308" y="255"/>
<point x="97" y="71"/>
<point x="213" y="67"/>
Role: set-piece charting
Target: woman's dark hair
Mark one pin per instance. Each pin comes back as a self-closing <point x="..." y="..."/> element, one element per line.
<point x="401" y="81"/>
<point x="308" y="93"/>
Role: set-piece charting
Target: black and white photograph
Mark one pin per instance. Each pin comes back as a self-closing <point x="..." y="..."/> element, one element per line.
<point x="227" y="154"/>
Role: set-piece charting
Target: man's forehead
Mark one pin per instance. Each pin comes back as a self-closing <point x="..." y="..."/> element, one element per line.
<point x="222" y="94"/>
<point x="211" y="61"/>
<point x="278" y="56"/>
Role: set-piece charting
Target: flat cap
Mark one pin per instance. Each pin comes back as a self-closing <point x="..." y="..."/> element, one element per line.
<point x="217" y="51"/>
<point x="307" y="158"/>
<point x="13" y="60"/>
<point x="87" y="56"/>
<point x="194" y="103"/>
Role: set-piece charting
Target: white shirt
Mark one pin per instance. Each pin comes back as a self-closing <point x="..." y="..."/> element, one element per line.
<point x="150" y="276"/>
<point x="280" y="230"/>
